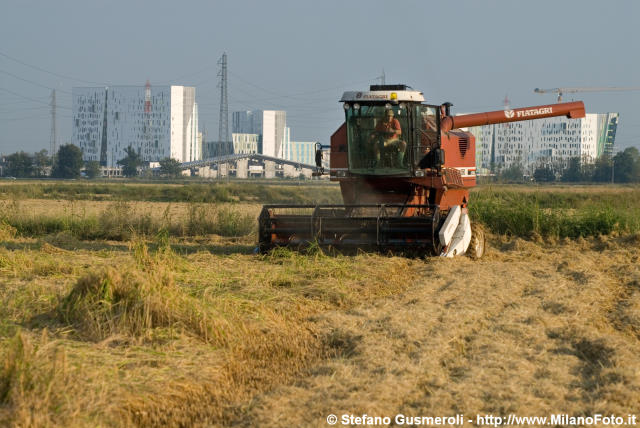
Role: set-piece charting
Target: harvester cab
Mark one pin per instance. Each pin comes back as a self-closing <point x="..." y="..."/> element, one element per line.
<point x="405" y="168"/>
<point x="379" y="125"/>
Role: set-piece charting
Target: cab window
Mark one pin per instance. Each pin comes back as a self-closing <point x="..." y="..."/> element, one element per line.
<point x="426" y="126"/>
<point x="378" y="139"/>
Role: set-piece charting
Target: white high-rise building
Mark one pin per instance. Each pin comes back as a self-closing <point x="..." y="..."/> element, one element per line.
<point x="268" y="124"/>
<point x="156" y="121"/>
<point x="544" y="142"/>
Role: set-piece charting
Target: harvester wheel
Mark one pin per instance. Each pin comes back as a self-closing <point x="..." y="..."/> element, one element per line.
<point x="477" y="243"/>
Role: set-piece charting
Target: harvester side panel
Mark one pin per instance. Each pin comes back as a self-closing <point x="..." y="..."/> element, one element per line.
<point x="338" y="159"/>
<point x="460" y="149"/>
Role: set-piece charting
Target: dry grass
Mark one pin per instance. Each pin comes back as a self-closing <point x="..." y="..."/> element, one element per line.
<point x="167" y="330"/>
<point x="246" y="191"/>
<point x="121" y="220"/>
<point x="151" y="338"/>
<point x="78" y="208"/>
<point x="533" y="329"/>
<point x="145" y="337"/>
<point x="524" y="211"/>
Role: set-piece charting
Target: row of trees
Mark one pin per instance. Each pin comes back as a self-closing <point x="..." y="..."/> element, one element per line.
<point x="132" y="162"/>
<point x="23" y="164"/>
<point x="68" y="163"/>
<point x="624" y="167"/>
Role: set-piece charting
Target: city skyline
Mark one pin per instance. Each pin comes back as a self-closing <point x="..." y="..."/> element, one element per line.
<point x="310" y="53"/>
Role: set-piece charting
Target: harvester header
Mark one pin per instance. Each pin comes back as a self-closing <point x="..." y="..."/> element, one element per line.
<point x="405" y="169"/>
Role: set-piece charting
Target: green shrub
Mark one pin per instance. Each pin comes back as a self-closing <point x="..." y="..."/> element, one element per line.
<point x="556" y="213"/>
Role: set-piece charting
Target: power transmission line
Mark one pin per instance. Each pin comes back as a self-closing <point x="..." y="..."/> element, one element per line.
<point x="31" y="99"/>
<point x="11" y="119"/>
<point x="280" y="95"/>
<point x="169" y="82"/>
<point x="17" y="102"/>
<point x="54" y="129"/>
<point x="22" y="109"/>
<point x="51" y="72"/>
<point x="32" y="82"/>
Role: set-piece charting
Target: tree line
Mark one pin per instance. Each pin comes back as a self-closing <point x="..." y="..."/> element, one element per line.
<point x="624" y="167"/>
<point x="68" y="163"/>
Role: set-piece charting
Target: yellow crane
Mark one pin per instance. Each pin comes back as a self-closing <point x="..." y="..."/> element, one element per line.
<point x="561" y="91"/>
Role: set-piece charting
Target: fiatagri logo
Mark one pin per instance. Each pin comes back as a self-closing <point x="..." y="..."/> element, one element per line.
<point x="510" y="114"/>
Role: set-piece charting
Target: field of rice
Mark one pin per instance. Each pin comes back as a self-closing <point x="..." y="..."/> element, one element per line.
<point x="144" y="305"/>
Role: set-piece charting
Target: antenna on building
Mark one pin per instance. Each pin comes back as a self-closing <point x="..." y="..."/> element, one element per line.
<point x="506" y="102"/>
<point x="383" y="78"/>
<point x="147" y="97"/>
<point x="54" y="131"/>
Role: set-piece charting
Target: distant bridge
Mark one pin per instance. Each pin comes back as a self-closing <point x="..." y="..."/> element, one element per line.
<point x="253" y="156"/>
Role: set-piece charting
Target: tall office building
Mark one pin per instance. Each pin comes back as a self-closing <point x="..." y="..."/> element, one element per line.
<point x="268" y="124"/>
<point x="156" y="121"/>
<point x="544" y="142"/>
<point x="242" y="122"/>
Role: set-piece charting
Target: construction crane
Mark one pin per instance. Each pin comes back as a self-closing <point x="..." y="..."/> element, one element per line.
<point x="561" y="91"/>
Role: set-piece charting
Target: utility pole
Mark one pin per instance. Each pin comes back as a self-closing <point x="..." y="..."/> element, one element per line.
<point x="54" y="131"/>
<point x="223" y="132"/>
<point x="223" y="129"/>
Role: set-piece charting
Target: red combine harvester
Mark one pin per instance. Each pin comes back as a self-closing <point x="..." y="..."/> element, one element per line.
<point x="405" y="169"/>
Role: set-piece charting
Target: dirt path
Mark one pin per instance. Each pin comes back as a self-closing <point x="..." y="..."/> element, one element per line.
<point x="530" y="330"/>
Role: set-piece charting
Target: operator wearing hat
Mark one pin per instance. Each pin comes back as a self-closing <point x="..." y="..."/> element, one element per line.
<point x="388" y="132"/>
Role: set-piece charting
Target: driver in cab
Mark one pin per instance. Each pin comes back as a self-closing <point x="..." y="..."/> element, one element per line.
<point x="387" y="136"/>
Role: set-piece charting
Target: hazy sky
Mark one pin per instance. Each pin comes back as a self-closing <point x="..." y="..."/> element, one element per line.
<point x="300" y="56"/>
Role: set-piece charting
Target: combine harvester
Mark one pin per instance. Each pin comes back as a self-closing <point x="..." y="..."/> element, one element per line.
<point x="405" y="169"/>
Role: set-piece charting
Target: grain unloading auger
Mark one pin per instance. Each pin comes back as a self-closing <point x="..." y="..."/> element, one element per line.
<point x="405" y="169"/>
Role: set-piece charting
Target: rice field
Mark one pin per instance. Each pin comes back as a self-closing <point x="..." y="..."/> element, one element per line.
<point x="144" y="305"/>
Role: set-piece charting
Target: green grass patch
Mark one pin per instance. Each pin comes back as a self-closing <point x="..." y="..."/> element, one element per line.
<point x="264" y="193"/>
<point x="561" y="213"/>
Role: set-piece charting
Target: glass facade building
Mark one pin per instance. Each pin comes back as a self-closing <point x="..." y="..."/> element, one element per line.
<point x="156" y="121"/>
<point x="544" y="142"/>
